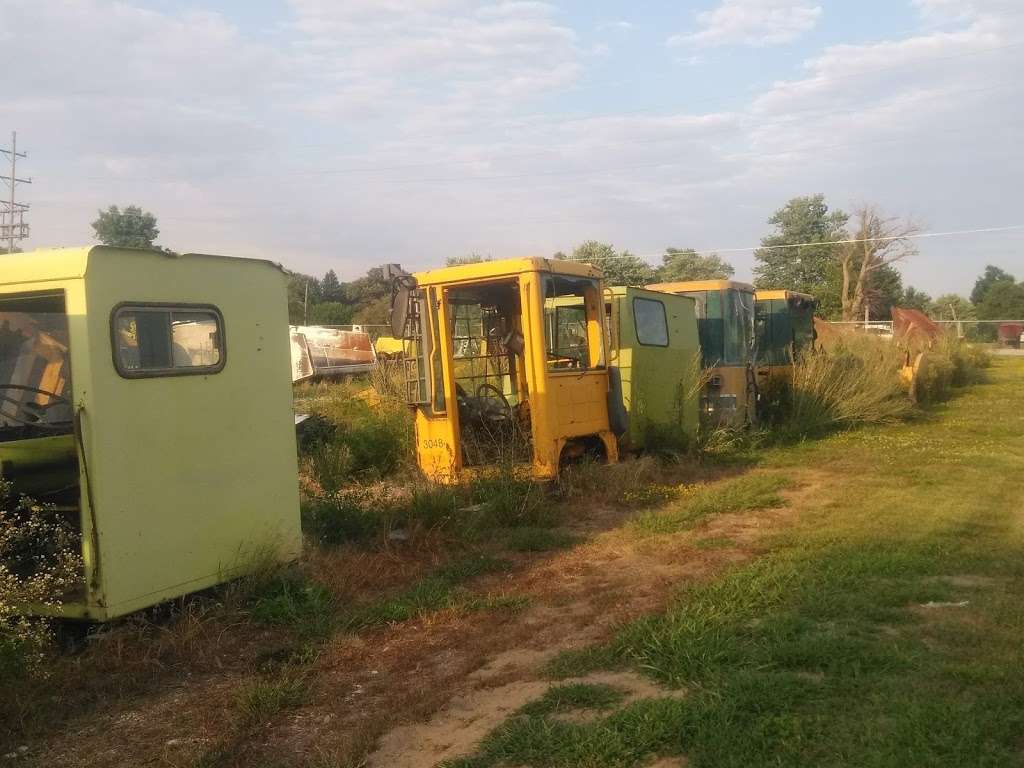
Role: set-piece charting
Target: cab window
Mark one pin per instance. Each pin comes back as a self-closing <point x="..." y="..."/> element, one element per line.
<point x="651" y="322"/>
<point x="151" y="340"/>
<point x="572" y="320"/>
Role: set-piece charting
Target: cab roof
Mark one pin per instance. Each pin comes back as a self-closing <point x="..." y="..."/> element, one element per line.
<point x="701" y="285"/>
<point x="486" y="270"/>
<point x="73" y="263"/>
<point x="781" y="293"/>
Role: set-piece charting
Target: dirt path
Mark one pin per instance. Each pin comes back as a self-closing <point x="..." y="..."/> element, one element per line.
<point x="428" y="690"/>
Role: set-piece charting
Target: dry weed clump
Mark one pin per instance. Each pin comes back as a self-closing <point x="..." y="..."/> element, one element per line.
<point x="856" y="382"/>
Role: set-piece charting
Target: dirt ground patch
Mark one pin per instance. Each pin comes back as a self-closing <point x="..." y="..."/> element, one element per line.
<point x="457" y="728"/>
<point x="425" y="690"/>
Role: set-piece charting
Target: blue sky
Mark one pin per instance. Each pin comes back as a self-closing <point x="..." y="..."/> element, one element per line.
<point x="345" y="133"/>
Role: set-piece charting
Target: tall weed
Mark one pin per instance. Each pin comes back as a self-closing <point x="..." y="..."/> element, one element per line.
<point x="856" y="382"/>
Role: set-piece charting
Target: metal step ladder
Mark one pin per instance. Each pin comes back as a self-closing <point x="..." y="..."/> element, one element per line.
<point x="415" y="369"/>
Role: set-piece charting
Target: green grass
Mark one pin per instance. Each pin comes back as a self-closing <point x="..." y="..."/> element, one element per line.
<point x="755" y="491"/>
<point x="443" y="589"/>
<point x="537" y="539"/>
<point x="560" y="698"/>
<point x="264" y="698"/>
<point x="290" y="599"/>
<point x="823" y="651"/>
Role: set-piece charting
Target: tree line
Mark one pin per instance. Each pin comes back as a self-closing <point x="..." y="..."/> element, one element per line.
<point x="848" y="262"/>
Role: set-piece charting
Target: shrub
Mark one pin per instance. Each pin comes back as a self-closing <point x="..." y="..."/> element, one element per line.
<point x="40" y="563"/>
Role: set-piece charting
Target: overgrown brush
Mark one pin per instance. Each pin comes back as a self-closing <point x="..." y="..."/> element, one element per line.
<point x="856" y="382"/>
<point x="355" y="432"/>
<point x="40" y="562"/>
<point x="968" y="362"/>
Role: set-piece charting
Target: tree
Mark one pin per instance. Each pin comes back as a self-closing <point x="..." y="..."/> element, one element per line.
<point x="619" y="268"/>
<point x="130" y="228"/>
<point x="303" y="295"/>
<point x="989" y="278"/>
<point x="681" y="264"/>
<point x="880" y="242"/>
<point x="950" y="306"/>
<point x="330" y="313"/>
<point x="1004" y="300"/>
<point x="915" y="299"/>
<point x="330" y="287"/>
<point x="804" y="268"/>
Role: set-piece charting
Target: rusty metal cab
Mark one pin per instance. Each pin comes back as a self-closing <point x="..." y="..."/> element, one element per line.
<point x="506" y="364"/>
<point x="147" y="397"/>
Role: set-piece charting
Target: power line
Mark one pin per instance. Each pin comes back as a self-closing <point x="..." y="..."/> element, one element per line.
<point x="12" y="216"/>
<point x="846" y="241"/>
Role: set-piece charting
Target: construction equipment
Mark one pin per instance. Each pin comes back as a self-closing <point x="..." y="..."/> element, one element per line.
<point x="654" y="367"/>
<point x="783" y="330"/>
<point x="148" y="399"/>
<point x="725" y="322"/>
<point x="529" y="361"/>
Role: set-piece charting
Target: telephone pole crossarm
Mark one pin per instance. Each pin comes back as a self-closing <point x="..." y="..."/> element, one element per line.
<point x="12" y="213"/>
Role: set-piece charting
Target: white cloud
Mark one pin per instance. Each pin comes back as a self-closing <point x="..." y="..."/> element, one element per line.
<point x="410" y="130"/>
<point x="752" y="22"/>
<point x="444" y="55"/>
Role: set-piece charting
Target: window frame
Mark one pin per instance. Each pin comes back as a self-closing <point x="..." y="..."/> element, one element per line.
<point x="664" y="316"/>
<point x="170" y="307"/>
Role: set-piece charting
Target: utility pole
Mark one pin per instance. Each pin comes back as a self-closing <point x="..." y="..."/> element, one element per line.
<point x="12" y="217"/>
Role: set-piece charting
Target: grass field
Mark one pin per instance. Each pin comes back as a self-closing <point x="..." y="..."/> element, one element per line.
<point x="885" y="627"/>
<point x="851" y="600"/>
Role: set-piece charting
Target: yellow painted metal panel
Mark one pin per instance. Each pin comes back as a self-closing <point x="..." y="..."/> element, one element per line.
<point x="700" y="285"/>
<point x="190" y="477"/>
<point x="486" y="270"/>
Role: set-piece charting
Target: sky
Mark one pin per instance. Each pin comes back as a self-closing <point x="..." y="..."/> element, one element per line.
<point x="342" y="134"/>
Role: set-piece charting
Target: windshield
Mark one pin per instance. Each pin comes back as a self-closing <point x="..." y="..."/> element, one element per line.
<point x="35" y="370"/>
<point x="725" y="322"/>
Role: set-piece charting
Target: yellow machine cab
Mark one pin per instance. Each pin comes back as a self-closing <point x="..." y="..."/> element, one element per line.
<point x="506" y="363"/>
<point x="725" y="320"/>
<point x="145" y="399"/>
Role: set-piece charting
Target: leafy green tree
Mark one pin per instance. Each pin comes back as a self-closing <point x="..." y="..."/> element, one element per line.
<point x="130" y="228"/>
<point x="915" y="299"/>
<point x="681" y="264"/>
<point x="330" y="287"/>
<point x="992" y="276"/>
<point x="303" y="294"/>
<point x="370" y="297"/>
<point x="950" y="306"/>
<point x="1003" y="300"/>
<point x="331" y="313"/>
<point x="882" y="292"/>
<point x="805" y="268"/>
<point x="619" y="268"/>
